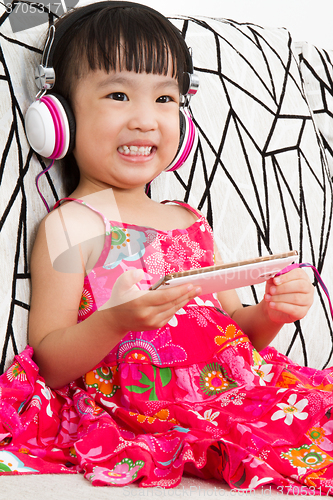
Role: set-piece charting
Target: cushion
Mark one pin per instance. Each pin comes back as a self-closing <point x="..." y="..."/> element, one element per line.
<point x="21" y="209"/>
<point x="316" y="66"/>
<point x="258" y="172"/>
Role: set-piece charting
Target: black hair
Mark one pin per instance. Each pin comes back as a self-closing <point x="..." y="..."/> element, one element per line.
<point x="114" y="39"/>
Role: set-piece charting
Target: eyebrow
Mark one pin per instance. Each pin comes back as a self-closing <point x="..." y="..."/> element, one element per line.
<point x="122" y="80"/>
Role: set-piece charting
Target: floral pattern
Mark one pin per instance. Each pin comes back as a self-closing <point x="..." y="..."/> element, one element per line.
<point x="307" y="457"/>
<point x="86" y="303"/>
<point x="123" y="472"/>
<point x="103" y="379"/>
<point x="10" y="463"/>
<point x="264" y="372"/>
<point x="213" y="380"/>
<point x="127" y="245"/>
<point x="150" y="347"/>
<point x="291" y="409"/>
<point x="15" y="372"/>
<point x="208" y="416"/>
<point x="321" y="435"/>
<point x="193" y="394"/>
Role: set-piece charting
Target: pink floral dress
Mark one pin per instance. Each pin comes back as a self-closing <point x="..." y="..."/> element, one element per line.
<point x="193" y="396"/>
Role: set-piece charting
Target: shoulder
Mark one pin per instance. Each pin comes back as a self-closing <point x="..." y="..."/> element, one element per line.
<point x="184" y="213"/>
<point x="68" y="235"/>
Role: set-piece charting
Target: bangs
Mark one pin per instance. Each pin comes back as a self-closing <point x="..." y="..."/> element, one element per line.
<point x="131" y="39"/>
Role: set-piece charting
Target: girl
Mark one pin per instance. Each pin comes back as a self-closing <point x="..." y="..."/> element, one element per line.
<point x="120" y="382"/>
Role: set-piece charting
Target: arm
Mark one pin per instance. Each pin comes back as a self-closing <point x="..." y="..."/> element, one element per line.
<point x="287" y="299"/>
<point x="65" y="350"/>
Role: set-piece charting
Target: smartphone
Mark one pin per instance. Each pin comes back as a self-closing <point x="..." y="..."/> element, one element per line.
<point x="229" y="276"/>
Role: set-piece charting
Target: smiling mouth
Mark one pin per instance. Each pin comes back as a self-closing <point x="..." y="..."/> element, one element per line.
<point x="135" y="150"/>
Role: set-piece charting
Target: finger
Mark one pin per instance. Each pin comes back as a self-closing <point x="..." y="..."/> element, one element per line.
<point x="294" y="299"/>
<point x="294" y="275"/>
<point x="292" y="311"/>
<point x="184" y="299"/>
<point x="174" y="294"/>
<point x="166" y="311"/>
<point x="301" y="286"/>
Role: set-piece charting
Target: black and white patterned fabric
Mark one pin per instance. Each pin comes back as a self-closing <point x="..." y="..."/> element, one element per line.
<point x="259" y="173"/>
<point x="316" y="67"/>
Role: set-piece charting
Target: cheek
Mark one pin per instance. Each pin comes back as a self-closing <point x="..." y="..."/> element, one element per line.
<point x="174" y="134"/>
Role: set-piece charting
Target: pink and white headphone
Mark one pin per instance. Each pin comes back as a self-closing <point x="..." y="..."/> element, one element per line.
<point x="49" y="121"/>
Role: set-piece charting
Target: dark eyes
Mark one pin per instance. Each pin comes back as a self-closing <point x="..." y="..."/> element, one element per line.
<point x="121" y="96"/>
<point x="164" y="99"/>
<point x="118" y="96"/>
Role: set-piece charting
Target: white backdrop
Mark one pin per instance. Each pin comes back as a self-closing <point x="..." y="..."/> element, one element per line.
<point x="307" y="20"/>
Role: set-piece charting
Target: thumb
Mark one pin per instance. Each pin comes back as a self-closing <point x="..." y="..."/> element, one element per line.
<point x="268" y="285"/>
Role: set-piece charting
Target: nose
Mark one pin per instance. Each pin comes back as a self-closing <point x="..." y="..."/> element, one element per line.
<point x="143" y="117"/>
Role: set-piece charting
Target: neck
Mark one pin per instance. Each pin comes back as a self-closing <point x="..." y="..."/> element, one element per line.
<point x="112" y="201"/>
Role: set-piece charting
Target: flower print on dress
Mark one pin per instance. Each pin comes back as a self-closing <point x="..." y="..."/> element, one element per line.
<point x="174" y="321"/>
<point x="264" y="372"/>
<point x="231" y="335"/>
<point x="235" y="398"/>
<point x="307" y="457"/>
<point x="170" y="446"/>
<point x="147" y="383"/>
<point x="153" y="346"/>
<point x="162" y="415"/>
<point x="127" y="244"/>
<point x="236" y="364"/>
<point x="157" y="265"/>
<point x="87" y="406"/>
<point x="287" y="379"/>
<point x="182" y="254"/>
<point x="214" y="380"/>
<point x="200" y="302"/>
<point x="202" y="315"/>
<point x="318" y="435"/>
<point x="103" y="379"/>
<point x="10" y="463"/>
<point x="176" y="254"/>
<point x="208" y="416"/>
<point x="124" y="472"/>
<point x="291" y="410"/>
<point x="87" y="303"/>
<point x="16" y="372"/>
<point x="48" y="395"/>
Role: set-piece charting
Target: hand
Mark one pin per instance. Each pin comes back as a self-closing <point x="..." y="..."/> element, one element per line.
<point x="289" y="296"/>
<point x="132" y="309"/>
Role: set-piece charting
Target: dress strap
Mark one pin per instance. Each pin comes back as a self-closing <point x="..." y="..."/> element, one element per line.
<point x="108" y="228"/>
<point x="185" y="205"/>
<point x="106" y="221"/>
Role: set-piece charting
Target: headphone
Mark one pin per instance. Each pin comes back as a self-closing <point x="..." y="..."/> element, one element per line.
<point x="50" y="122"/>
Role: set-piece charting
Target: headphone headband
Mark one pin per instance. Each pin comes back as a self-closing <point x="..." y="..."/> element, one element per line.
<point x="45" y="74"/>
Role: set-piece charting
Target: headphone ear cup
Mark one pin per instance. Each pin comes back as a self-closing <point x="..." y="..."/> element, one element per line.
<point x="187" y="140"/>
<point x="70" y="121"/>
<point x="50" y="126"/>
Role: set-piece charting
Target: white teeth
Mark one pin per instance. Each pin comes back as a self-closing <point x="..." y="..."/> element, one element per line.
<point x="135" y="150"/>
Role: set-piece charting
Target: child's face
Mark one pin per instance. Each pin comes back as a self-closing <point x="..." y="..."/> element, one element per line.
<point x="127" y="127"/>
